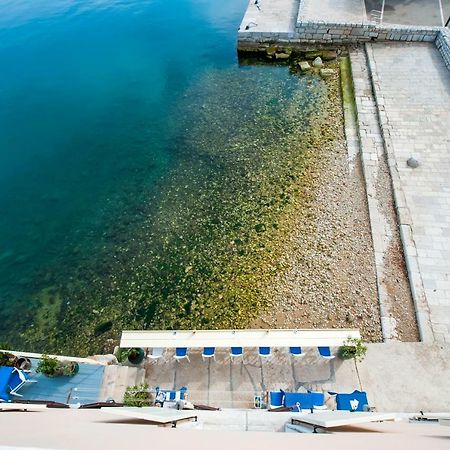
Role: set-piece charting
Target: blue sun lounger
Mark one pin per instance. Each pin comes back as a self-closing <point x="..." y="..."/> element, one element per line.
<point x="5" y="375"/>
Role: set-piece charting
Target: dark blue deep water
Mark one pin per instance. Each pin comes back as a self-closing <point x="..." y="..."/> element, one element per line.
<point x="107" y="109"/>
<point x="87" y="90"/>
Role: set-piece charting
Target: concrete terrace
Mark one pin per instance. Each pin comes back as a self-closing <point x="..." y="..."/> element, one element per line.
<point x="398" y="377"/>
<point x="84" y="387"/>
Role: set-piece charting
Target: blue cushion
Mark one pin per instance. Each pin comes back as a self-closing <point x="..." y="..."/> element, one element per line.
<point x="343" y="401"/>
<point x="318" y="399"/>
<point x="276" y="398"/>
<point x="292" y="398"/>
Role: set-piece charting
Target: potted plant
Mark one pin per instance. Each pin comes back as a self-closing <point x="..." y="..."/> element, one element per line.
<point x="7" y="359"/>
<point x="136" y="355"/>
<point x="51" y="367"/>
<point x="353" y="348"/>
<point x="70" y="368"/>
<point x="48" y="366"/>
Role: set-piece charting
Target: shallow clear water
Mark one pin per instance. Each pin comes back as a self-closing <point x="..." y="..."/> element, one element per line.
<point x="125" y="128"/>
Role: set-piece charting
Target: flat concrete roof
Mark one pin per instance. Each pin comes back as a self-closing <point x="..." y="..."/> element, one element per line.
<point x="237" y="338"/>
<point x="84" y="429"/>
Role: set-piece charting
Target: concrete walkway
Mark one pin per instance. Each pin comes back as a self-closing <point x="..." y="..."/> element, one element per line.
<point x="332" y="11"/>
<point x="412" y="89"/>
<point x="270" y="16"/>
<point x="398" y="314"/>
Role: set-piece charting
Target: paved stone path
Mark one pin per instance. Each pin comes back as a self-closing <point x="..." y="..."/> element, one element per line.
<point x="412" y="88"/>
<point x="383" y="220"/>
<point x="333" y="11"/>
<point x="271" y="16"/>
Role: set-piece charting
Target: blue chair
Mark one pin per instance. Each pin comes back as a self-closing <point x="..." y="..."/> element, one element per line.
<point x="156" y="353"/>
<point x="296" y="351"/>
<point x="264" y="352"/>
<point x="209" y="352"/>
<point x="236" y="352"/>
<point x="325" y="352"/>
<point x="168" y="395"/>
<point x="17" y="380"/>
<point x="181" y="353"/>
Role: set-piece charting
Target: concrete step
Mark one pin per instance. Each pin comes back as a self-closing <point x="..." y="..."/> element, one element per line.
<point x="140" y="376"/>
<point x="117" y="378"/>
<point x="108" y="382"/>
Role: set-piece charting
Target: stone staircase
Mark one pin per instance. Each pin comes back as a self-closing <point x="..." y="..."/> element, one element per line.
<point x="117" y="378"/>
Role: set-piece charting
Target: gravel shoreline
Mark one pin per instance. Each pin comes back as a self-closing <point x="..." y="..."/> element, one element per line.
<point x="329" y="280"/>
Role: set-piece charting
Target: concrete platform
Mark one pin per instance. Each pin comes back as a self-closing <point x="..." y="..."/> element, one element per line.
<point x="270" y="16"/>
<point x="332" y="11"/>
<point x="398" y="377"/>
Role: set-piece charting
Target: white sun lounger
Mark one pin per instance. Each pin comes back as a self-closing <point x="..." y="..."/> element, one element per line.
<point x="333" y="419"/>
<point x="160" y="416"/>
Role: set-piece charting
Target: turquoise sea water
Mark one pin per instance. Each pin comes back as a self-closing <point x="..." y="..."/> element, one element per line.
<point x="109" y="110"/>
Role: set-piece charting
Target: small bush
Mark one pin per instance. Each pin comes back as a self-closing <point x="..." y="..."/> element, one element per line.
<point x="138" y="395"/>
<point x="353" y="349"/>
<point x="7" y="359"/>
<point x="48" y="366"/>
<point x="122" y="355"/>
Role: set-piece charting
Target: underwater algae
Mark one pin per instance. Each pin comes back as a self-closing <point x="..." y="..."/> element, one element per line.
<point x="207" y="245"/>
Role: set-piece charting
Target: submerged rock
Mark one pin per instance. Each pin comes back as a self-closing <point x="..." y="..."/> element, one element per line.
<point x="318" y="62"/>
<point x="304" y="66"/>
<point x="260" y="228"/>
<point x="328" y="55"/>
<point x="326" y="73"/>
<point x="270" y="51"/>
<point x="282" y="56"/>
<point x="313" y="54"/>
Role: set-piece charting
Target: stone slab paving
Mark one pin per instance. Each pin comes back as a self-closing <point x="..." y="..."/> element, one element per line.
<point x="270" y="16"/>
<point x="332" y="11"/>
<point x="412" y="89"/>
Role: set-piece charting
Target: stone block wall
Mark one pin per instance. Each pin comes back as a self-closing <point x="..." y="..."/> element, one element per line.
<point x="348" y="33"/>
<point x="343" y="33"/>
<point x="443" y="45"/>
